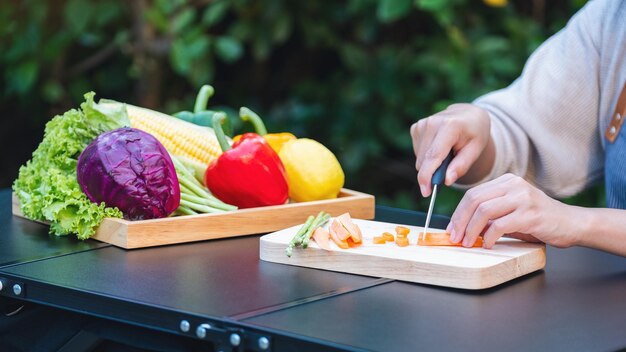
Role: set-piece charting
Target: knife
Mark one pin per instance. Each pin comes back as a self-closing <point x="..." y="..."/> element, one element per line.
<point x="438" y="179"/>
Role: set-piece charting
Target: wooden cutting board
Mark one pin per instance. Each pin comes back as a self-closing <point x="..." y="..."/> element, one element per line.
<point x="467" y="268"/>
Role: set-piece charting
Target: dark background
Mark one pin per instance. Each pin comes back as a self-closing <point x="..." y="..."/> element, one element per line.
<point x="352" y="74"/>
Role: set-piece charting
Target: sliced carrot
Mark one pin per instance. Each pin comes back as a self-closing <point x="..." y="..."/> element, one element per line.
<point x="402" y="231"/>
<point x="353" y="244"/>
<point x="388" y="237"/>
<point x="342" y="233"/>
<point x="379" y="240"/>
<point x="321" y="237"/>
<point x="442" y="239"/>
<point x="334" y="227"/>
<point x="402" y="241"/>
<point x="341" y="244"/>
<point x="355" y="232"/>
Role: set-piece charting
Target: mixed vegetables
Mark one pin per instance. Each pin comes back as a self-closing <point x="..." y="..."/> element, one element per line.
<point x="345" y="234"/>
<point x="111" y="159"/>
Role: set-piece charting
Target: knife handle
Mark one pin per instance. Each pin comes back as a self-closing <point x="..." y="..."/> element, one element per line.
<point x="440" y="175"/>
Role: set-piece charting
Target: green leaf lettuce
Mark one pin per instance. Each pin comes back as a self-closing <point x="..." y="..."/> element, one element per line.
<point x="47" y="186"/>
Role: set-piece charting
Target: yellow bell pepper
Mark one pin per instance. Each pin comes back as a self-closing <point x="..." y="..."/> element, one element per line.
<point x="313" y="172"/>
<point x="275" y="140"/>
<point x="496" y="3"/>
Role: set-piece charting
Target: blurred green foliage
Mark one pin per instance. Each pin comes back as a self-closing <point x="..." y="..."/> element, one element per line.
<point x="352" y="74"/>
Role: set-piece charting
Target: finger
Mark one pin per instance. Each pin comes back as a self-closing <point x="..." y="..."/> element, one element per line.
<point x="470" y="201"/>
<point x="491" y="209"/>
<point x="426" y="136"/>
<point x="433" y="157"/>
<point x="423" y="136"/>
<point x="462" y="161"/>
<point x="509" y="223"/>
<point x="416" y="129"/>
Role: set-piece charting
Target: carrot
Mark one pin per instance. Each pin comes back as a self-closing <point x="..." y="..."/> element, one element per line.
<point x="352" y="243"/>
<point x="321" y="236"/>
<point x="340" y="231"/>
<point x="379" y="240"/>
<point x="355" y="232"/>
<point x="442" y="239"/>
<point x="336" y="233"/>
<point x="402" y="231"/>
<point x="388" y="237"/>
<point x="402" y="241"/>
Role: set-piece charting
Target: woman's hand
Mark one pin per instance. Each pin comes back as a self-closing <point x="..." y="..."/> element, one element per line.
<point x="463" y="128"/>
<point x="511" y="206"/>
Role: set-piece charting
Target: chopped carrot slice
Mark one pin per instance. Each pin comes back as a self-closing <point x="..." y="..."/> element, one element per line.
<point x="442" y="239"/>
<point x="341" y="244"/>
<point x="334" y="226"/>
<point x="402" y="231"/>
<point x="402" y="241"/>
<point x="321" y="236"/>
<point x="339" y="230"/>
<point x="388" y="237"/>
<point x="352" y="243"/>
<point x="354" y="231"/>
<point x="379" y="240"/>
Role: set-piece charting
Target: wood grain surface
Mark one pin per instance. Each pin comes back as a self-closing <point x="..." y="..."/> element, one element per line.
<point x="180" y="229"/>
<point x="467" y="268"/>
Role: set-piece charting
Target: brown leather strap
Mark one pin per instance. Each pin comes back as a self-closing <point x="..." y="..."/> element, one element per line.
<point x="612" y="131"/>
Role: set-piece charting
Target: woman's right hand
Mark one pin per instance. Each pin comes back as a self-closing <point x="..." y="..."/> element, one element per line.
<point x="462" y="128"/>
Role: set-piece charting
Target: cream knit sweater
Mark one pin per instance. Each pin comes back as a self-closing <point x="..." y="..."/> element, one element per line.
<point x="548" y="124"/>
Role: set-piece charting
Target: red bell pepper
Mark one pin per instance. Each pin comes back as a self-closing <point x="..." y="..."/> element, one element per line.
<point x="248" y="174"/>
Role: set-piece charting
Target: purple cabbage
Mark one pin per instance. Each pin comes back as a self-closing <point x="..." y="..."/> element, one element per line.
<point x="131" y="170"/>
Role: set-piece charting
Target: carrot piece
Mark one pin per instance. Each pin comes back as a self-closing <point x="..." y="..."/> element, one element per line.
<point x="442" y="239"/>
<point x="342" y="233"/>
<point x="341" y="244"/>
<point x="321" y="237"/>
<point x="379" y="240"/>
<point x="352" y="243"/>
<point x="336" y="237"/>
<point x="346" y="221"/>
<point x="402" y="231"/>
<point x="402" y="241"/>
<point x="388" y="237"/>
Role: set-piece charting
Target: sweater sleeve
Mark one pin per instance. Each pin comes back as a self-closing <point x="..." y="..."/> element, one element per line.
<point x="545" y="124"/>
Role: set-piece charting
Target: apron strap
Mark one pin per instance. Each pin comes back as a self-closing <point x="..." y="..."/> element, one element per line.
<point x="612" y="131"/>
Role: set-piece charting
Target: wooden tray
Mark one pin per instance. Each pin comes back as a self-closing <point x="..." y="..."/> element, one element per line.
<point x="180" y="229"/>
<point x="467" y="268"/>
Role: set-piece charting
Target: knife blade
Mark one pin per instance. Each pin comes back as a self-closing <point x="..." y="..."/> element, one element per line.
<point x="438" y="179"/>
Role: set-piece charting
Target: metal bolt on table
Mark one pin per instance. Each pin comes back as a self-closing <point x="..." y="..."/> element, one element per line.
<point x="17" y="289"/>
<point x="202" y="329"/>
<point x="184" y="326"/>
<point x="264" y="343"/>
<point x="235" y="339"/>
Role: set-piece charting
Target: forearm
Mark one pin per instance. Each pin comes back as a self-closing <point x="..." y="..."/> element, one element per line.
<point x="601" y="228"/>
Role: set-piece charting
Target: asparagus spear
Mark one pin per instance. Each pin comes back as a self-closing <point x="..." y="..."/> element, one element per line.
<point x="303" y="236"/>
<point x="320" y="220"/>
<point x="297" y="238"/>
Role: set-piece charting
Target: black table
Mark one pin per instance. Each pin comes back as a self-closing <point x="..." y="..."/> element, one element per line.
<point x="577" y="303"/>
<point x="22" y="241"/>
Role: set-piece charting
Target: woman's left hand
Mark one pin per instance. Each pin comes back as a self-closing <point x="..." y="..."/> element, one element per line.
<point x="511" y="206"/>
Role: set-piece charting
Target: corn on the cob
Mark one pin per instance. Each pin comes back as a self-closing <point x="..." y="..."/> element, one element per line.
<point x="177" y="136"/>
